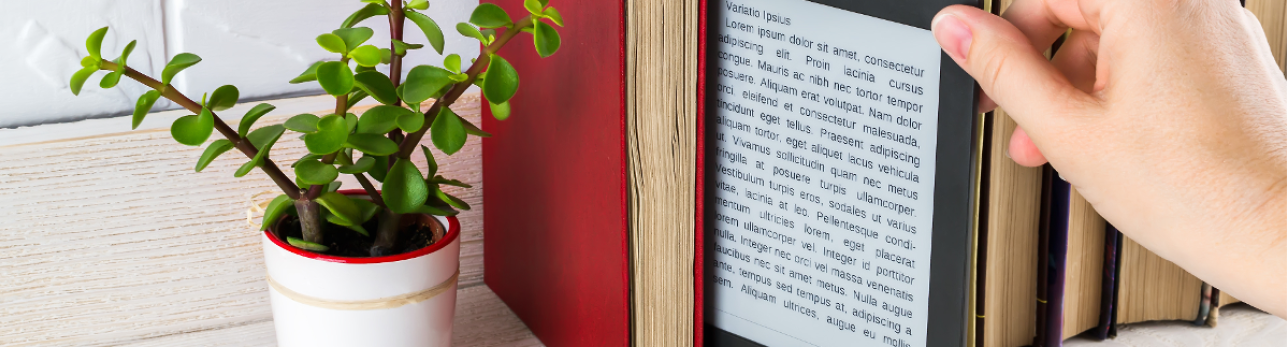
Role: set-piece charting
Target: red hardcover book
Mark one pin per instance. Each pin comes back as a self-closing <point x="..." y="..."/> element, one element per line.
<point x="557" y="241"/>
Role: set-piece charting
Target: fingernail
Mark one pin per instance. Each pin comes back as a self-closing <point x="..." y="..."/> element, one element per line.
<point x="953" y="35"/>
<point x="1007" y="154"/>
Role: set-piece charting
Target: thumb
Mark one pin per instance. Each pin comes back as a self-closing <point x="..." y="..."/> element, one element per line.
<point x="1009" y="69"/>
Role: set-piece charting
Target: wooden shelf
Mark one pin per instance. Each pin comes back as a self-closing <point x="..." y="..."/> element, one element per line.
<point x="481" y="320"/>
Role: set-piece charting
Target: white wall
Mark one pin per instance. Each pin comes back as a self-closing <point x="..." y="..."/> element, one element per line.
<point x="257" y="45"/>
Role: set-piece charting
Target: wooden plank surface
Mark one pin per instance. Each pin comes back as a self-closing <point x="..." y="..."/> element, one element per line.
<point x="113" y="238"/>
<point x="481" y="320"/>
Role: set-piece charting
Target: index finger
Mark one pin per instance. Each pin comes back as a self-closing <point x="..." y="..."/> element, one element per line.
<point x="1043" y="21"/>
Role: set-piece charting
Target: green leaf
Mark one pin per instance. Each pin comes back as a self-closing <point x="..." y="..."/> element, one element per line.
<point x="380" y="119"/>
<point x="330" y="217"/>
<point x="447" y="132"/>
<point x="367" y="55"/>
<point x="193" y="130"/>
<point x="533" y="6"/>
<point x="215" y="149"/>
<point x="350" y="122"/>
<point x="276" y="209"/>
<point x="544" y="3"/>
<point x="78" y="79"/>
<point x="306" y="157"/>
<point x="381" y="167"/>
<point x="386" y="56"/>
<point x="179" y="63"/>
<point x="404" y="188"/>
<point x="335" y="77"/>
<point x="110" y="79"/>
<point x="554" y="15"/>
<point x="472" y="129"/>
<point x="377" y="85"/>
<point x="143" y="106"/>
<point x="91" y="62"/>
<point x="502" y="80"/>
<point x="488" y="15"/>
<point x="453" y="201"/>
<point x="305" y="245"/>
<point x="332" y="43"/>
<point x="432" y="167"/>
<point x="400" y="48"/>
<point x="471" y="31"/>
<point x="452" y="62"/>
<point x="367" y="208"/>
<point x="362" y="165"/>
<point x="125" y="55"/>
<point x="223" y="98"/>
<point x="370" y="10"/>
<point x="304" y="123"/>
<point x="356" y="96"/>
<point x="251" y="117"/>
<point x="432" y="32"/>
<point x="434" y="211"/>
<point x="419" y="4"/>
<point x="501" y="111"/>
<point x="444" y="180"/>
<point x="263" y="139"/>
<point x="423" y="82"/>
<point x="331" y="132"/>
<point x="353" y="37"/>
<point x="315" y="172"/>
<point x="309" y="75"/>
<point x="245" y="168"/>
<point x="547" y="39"/>
<point x="95" y="43"/>
<point x="411" y="122"/>
<point x="375" y="144"/>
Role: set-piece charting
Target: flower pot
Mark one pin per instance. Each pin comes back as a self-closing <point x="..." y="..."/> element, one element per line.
<point x="407" y="299"/>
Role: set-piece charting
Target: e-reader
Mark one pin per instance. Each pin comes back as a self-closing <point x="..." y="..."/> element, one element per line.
<point x="840" y="176"/>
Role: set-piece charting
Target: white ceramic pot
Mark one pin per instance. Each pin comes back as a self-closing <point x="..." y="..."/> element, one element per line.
<point x="402" y="300"/>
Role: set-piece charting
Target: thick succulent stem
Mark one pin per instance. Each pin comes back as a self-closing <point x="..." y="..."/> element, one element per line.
<point x="310" y="220"/>
<point x="387" y="233"/>
<point x="396" y="21"/>
<point x="245" y="147"/>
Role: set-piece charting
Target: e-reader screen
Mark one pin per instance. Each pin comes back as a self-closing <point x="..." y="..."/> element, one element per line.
<point x="839" y="176"/>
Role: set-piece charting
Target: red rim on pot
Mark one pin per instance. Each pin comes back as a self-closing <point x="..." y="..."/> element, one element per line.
<point x="453" y="231"/>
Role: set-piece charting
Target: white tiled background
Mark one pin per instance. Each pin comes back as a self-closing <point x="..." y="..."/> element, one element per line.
<point x="256" y="45"/>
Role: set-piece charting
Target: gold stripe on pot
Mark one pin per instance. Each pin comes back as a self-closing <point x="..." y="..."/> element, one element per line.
<point x="375" y="304"/>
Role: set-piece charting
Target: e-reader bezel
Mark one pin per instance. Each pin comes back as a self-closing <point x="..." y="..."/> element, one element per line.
<point x="955" y="175"/>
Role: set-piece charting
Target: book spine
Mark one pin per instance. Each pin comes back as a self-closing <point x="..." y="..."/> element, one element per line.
<point x="1043" y="256"/>
<point x="1204" y="305"/>
<point x="1109" y="284"/>
<point x="699" y="275"/>
<point x="1214" y="317"/>
<point x="1060" y="204"/>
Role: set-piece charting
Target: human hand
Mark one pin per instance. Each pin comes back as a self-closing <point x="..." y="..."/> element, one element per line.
<point x="1168" y="116"/>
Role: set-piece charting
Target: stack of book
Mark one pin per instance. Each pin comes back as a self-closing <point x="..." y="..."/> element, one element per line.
<point x="1042" y="240"/>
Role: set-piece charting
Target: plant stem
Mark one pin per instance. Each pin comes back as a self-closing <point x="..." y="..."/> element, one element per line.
<point x="370" y="189"/>
<point x="387" y="233"/>
<point x="408" y="145"/>
<point x="169" y="92"/>
<point x="396" y="20"/>
<point x="310" y="220"/>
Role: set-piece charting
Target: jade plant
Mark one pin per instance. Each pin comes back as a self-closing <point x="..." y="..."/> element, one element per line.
<point x="386" y="136"/>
